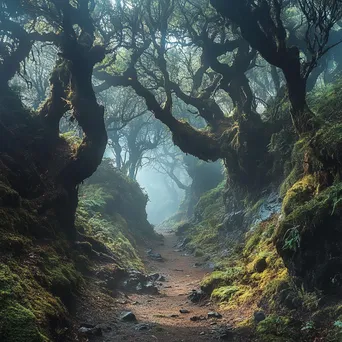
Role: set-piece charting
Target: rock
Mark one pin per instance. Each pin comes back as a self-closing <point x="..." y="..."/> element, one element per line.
<point x="259" y="316"/>
<point x="198" y="264"/>
<point x="96" y="331"/>
<point x="202" y="333"/>
<point x="162" y="278"/>
<point x="184" y="311"/>
<point x="150" y="288"/>
<point x="214" y="314"/>
<point x="196" y="296"/>
<point x="260" y="265"/>
<point x="154" y="256"/>
<point x="174" y="316"/>
<point x="128" y="316"/>
<point x="87" y="325"/>
<point x="142" y="326"/>
<point x="139" y="282"/>
<point x="225" y="333"/>
<point x="154" y="276"/>
<point x="197" y="318"/>
<point x="233" y="220"/>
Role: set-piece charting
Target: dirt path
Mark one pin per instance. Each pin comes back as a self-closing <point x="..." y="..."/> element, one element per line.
<point x="158" y="316"/>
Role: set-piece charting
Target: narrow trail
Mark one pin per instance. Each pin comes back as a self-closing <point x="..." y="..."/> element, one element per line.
<point x="158" y="316"/>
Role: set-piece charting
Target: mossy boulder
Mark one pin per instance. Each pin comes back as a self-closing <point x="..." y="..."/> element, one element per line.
<point x="299" y="193"/>
<point x="260" y="265"/>
<point x="309" y="239"/>
<point x="18" y="324"/>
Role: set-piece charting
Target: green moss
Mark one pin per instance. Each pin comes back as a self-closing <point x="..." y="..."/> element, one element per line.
<point x="311" y="214"/>
<point x="221" y="278"/>
<point x="275" y="329"/>
<point x="328" y="142"/>
<point x="210" y="205"/>
<point x="296" y="170"/>
<point x="299" y="193"/>
<point x="18" y="324"/>
<point x="224" y="293"/>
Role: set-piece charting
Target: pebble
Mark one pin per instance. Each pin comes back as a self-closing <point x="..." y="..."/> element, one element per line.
<point x="128" y="316"/>
<point x="184" y="311"/>
<point x="214" y="314"/>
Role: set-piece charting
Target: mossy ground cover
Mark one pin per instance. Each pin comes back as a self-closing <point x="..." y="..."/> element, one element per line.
<point x="35" y="287"/>
<point x="41" y="267"/>
<point x="254" y="276"/>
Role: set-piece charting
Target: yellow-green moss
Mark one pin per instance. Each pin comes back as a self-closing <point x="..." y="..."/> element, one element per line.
<point x="299" y="193"/>
<point x="224" y="293"/>
<point x="17" y="322"/>
<point x="221" y="278"/>
<point x="313" y="212"/>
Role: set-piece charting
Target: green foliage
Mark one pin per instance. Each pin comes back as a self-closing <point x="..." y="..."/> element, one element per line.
<point x="93" y="198"/>
<point x="210" y="205"/>
<point x="275" y="329"/>
<point x="310" y="325"/>
<point x="292" y="239"/>
<point x="112" y="210"/>
<point x="328" y="143"/>
<point x="326" y="101"/>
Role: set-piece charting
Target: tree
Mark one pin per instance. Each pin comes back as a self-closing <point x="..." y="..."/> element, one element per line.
<point x="261" y="24"/>
<point x="67" y="25"/>
<point x="158" y="51"/>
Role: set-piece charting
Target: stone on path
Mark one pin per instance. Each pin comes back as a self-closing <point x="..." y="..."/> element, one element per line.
<point x="184" y="311"/>
<point x="214" y="314"/>
<point x="128" y="316"/>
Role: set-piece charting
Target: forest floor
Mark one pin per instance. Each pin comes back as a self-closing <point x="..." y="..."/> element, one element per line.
<point x="158" y="317"/>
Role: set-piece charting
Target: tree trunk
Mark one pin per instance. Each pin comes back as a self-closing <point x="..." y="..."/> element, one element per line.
<point x="90" y="116"/>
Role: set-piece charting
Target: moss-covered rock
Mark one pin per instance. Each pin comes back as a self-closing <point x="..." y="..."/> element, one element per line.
<point x="301" y="192"/>
<point x="308" y="239"/>
<point x="18" y="324"/>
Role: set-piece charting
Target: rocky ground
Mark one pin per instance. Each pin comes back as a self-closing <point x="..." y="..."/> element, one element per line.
<point x="168" y="315"/>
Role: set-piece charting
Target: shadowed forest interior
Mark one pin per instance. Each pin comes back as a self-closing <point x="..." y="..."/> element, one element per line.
<point x="170" y="170"/>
